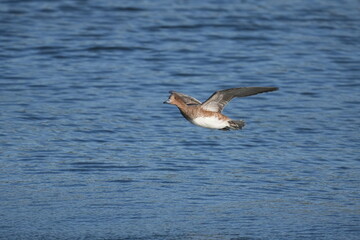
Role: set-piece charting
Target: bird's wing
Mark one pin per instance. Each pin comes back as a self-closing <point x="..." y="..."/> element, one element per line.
<point x="188" y="99"/>
<point x="217" y="101"/>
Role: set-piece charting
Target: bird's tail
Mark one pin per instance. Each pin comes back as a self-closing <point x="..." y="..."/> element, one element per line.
<point x="236" y="124"/>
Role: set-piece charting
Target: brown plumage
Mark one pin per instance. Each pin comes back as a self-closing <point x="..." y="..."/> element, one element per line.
<point x="208" y="114"/>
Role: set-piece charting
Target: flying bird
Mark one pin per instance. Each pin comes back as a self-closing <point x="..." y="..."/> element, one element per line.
<point x="208" y="114"/>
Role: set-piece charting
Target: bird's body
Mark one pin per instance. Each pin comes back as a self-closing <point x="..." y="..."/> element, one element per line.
<point x="208" y="114"/>
<point x="210" y="122"/>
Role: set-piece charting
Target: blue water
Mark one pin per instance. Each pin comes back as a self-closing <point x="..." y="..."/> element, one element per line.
<point x="88" y="150"/>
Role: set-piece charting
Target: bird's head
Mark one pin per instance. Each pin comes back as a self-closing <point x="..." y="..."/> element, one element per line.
<point x="172" y="98"/>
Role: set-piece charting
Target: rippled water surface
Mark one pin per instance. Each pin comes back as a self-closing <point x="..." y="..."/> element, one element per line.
<point x="88" y="150"/>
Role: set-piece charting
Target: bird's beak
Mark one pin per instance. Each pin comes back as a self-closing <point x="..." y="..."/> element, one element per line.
<point x="167" y="101"/>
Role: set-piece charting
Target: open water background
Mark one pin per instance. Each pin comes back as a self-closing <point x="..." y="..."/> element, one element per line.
<point x="88" y="150"/>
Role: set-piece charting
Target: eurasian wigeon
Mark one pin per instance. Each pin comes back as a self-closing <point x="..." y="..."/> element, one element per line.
<point x="208" y="114"/>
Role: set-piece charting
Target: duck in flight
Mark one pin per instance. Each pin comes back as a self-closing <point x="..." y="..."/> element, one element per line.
<point x="208" y="114"/>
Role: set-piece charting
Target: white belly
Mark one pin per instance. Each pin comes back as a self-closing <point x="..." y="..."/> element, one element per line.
<point x="210" y="122"/>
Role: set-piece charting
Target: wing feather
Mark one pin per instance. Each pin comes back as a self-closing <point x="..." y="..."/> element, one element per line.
<point x="218" y="100"/>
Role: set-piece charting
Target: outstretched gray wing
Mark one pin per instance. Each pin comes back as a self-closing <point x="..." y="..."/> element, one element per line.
<point x="187" y="99"/>
<point x="219" y="99"/>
